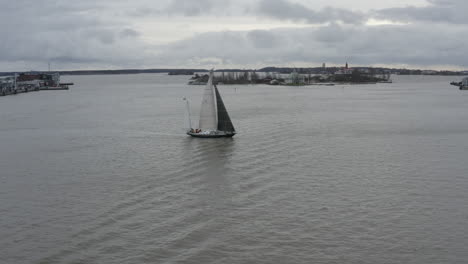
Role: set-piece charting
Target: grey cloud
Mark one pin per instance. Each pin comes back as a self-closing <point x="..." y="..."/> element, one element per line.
<point x="188" y="8"/>
<point x="332" y="33"/>
<point x="411" y="45"/>
<point x="285" y="10"/>
<point x="35" y="32"/>
<point x="262" y="39"/>
<point x="105" y="36"/>
<point x="445" y="11"/>
<point x="143" y="12"/>
<point x="129" y="33"/>
<point x="194" y="8"/>
<point x="89" y="34"/>
<point x="276" y="9"/>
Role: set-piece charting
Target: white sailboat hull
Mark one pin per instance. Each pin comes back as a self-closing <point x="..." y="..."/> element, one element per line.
<point x="211" y="134"/>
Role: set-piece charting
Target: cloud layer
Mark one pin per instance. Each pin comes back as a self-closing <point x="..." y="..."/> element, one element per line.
<point x="285" y="10"/>
<point x="438" y="11"/>
<point x="118" y="34"/>
<point x="415" y="45"/>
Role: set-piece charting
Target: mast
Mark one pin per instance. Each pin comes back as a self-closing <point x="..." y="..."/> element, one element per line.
<point x="213" y="89"/>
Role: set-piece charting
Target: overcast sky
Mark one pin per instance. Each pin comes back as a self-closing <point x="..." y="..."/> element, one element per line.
<point x="115" y="34"/>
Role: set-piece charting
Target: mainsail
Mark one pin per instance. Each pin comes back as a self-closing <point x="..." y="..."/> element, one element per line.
<point x="188" y="121"/>
<point x="208" y="114"/>
<point x="224" y="122"/>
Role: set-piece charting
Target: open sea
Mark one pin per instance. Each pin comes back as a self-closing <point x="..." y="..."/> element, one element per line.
<point x="104" y="173"/>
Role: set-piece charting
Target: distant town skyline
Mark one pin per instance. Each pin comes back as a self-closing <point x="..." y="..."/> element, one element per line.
<point x="142" y="34"/>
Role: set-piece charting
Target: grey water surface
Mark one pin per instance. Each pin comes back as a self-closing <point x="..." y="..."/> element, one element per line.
<point x="103" y="173"/>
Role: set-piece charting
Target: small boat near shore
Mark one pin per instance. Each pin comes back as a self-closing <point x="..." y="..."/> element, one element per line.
<point x="214" y="119"/>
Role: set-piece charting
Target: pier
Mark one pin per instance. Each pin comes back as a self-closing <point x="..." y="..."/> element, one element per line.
<point x="31" y="82"/>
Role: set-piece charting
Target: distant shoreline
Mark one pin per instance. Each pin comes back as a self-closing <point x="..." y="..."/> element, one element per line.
<point x="115" y="72"/>
<point x="286" y="70"/>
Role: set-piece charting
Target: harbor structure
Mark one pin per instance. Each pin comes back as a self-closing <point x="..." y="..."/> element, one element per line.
<point x="463" y="85"/>
<point x="31" y="81"/>
<point x="296" y="79"/>
<point x="300" y="76"/>
<point x="345" y="70"/>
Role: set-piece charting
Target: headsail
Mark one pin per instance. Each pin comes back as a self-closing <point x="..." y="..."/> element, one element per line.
<point x="224" y="122"/>
<point x="208" y="113"/>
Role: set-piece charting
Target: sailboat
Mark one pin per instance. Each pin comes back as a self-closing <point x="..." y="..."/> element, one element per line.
<point x="214" y="118"/>
<point x="463" y="85"/>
